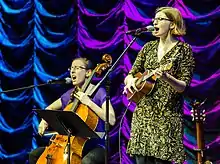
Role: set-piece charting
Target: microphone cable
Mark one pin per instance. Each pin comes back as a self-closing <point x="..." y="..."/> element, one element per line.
<point x="119" y="133"/>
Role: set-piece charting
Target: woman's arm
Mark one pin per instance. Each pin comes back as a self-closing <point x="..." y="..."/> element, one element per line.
<point x="56" y="105"/>
<point x="178" y="85"/>
<point x="100" y="111"/>
<point x="184" y="73"/>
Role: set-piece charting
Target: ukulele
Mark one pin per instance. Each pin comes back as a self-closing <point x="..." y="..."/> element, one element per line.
<point x="145" y="83"/>
<point x="198" y="115"/>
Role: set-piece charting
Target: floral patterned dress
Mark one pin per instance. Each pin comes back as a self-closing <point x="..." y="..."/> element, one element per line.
<point x="156" y="128"/>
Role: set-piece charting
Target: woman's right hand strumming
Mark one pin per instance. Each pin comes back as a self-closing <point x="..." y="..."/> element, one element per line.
<point x="42" y="127"/>
<point x="130" y="83"/>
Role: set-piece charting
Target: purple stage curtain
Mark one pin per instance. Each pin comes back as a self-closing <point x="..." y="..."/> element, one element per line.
<point x="39" y="38"/>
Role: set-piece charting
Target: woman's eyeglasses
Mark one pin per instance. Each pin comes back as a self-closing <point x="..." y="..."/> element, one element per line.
<point x="76" y="68"/>
<point x="160" y="19"/>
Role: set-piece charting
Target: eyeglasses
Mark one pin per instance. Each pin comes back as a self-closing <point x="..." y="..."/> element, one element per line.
<point x="76" y="68"/>
<point x="160" y="19"/>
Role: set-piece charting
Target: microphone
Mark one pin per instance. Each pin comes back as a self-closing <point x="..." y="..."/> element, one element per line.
<point x="67" y="80"/>
<point x="149" y="28"/>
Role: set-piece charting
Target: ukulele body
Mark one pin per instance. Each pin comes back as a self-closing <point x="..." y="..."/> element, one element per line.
<point x="144" y="88"/>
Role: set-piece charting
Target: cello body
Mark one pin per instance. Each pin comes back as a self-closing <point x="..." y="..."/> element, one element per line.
<point x="56" y="152"/>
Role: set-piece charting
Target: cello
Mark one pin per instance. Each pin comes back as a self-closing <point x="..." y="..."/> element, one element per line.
<point x="56" y="152"/>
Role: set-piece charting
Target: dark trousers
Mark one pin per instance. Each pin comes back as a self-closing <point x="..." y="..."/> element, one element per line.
<point x="95" y="156"/>
<point x="150" y="160"/>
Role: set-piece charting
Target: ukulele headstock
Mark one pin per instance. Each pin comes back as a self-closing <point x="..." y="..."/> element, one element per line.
<point x="198" y="112"/>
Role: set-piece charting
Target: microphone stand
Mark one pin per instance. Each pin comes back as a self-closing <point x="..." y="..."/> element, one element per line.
<point x="22" y="88"/>
<point x="108" y="82"/>
<point x="137" y="33"/>
<point x="27" y="87"/>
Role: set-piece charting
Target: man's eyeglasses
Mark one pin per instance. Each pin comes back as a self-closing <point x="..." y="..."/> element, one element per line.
<point x="76" y="68"/>
<point x="160" y="19"/>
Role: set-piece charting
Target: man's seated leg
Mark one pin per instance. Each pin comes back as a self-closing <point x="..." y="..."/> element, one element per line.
<point x="35" y="154"/>
<point x="95" y="156"/>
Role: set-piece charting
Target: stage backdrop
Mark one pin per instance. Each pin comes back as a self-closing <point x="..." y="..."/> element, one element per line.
<point x="39" y="38"/>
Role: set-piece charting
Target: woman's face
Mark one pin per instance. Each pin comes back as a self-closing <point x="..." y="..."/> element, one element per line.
<point x="161" y="24"/>
<point x="78" y="72"/>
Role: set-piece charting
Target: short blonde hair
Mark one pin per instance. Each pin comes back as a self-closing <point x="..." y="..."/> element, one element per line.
<point x="175" y="16"/>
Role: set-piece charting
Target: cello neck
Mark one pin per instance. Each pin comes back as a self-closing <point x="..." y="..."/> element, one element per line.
<point x="84" y="88"/>
<point x="99" y="68"/>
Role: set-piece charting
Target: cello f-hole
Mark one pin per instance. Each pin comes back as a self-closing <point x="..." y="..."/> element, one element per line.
<point x="49" y="158"/>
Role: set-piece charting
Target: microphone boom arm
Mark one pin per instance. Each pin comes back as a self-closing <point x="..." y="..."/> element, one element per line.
<point x="113" y="66"/>
<point x="26" y="87"/>
<point x="138" y="31"/>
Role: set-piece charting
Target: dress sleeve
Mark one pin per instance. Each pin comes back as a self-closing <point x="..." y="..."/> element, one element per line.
<point x="65" y="98"/>
<point x="100" y="96"/>
<point x="138" y="65"/>
<point x="186" y="65"/>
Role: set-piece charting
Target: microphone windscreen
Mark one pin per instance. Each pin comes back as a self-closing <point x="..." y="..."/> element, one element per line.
<point x="150" y="28"/>
<point x="68" y="80"/>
